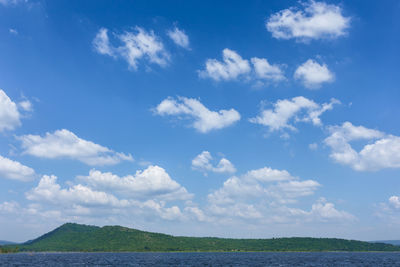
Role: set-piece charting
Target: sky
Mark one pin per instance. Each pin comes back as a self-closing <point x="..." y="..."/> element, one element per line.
<point x="253" y="119"/>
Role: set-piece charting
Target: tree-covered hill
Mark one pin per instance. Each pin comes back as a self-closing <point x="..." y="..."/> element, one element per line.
<point x="77" y="237"/>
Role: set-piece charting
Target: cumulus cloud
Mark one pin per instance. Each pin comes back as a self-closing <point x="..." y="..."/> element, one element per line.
<point x="318" y="20"/>
<point x="264" y="70"/>
<point x="49" y="190"/>
<point x="205" y="120"/>
<point x="203" y="162"/>
<point x="326" y="211"/>
<point x="9" y="114"/>
<point x="14" y="170"/>
<point x="267" y="174"/>
<point x="198" y="213"/>
<point x="265" y="195"/>
<point x="313" y="75"/>
<point x="382" y="151"/>
<point x="179" y="37"/>
<point x="297" y="109"/>
<point x="233" y="66"/>
<point x="136" y="45"/>
<point x="152" y="183"/>
<point x="65" y="144"/>
<point x="277" y="185"/>
<point x="146" y="193"/>
<point x="388" y="211"/>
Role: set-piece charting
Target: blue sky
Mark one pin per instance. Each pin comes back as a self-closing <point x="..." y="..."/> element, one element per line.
<point x="253" y="119"/>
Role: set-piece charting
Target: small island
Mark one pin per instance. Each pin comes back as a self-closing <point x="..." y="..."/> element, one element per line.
<point x="72" y="237"/>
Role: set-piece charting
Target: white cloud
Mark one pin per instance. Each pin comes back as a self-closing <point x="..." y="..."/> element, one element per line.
<point x="267" y="174"/>
<point x="395" y="202"/>
<point x="65" y="144"/>
<point x="205" y="120"/>
<point x="142" y="44"/>
<point x="263" y="196"/>
<point x="313" y="146"/>
<point x="106" y="195"/>
<point x="318" y="20"/>
<point x="198" y="213"/>
<point x="179" y="37"/>
<point x="231" y="68"/>
<point x="290" y="190"/>
<point x="101" y="43"/>
<point x="238" y="210"/>
<point x="266" y="196"/>
<point x="9" y="114"/>
<point x="262" y="185"/>
<point x="136" y="45"/>
<point x="234" y="66"/>
<point x="288" y="110"/>
<point x="153" y="182"/>
<point x="382" y="153"/>
<point x="264" y="70"/>
<point x="13" y="31"/>
<point x="14" y="170"/>
<point x="26" y="105"/>
<point x="324" y="210"/>
<point x="9" y="207"/>
<point x="203" y="163"/>
<point x="313" y="75"/>
<point x="49" y="190"/>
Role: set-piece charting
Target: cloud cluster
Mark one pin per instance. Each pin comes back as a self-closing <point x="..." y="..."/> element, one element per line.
<point x="136" y="45"/>
<point x="202" y="162"/>
<point x="14" y="170"/>
<point x="205" y="120"/>
<point x="48" y="190"/>
<point x="266" y="194"/>
<point x="382" y="153"/>
<point x="179" y="37"/>
<point x="147" y="193"/>
<point x="318" y="20"/>
<point x="152" y="183"/>
<point x="313" y="75"/>
<point x="233" y="66"/>
<point x="287" y="111"/>
<point x="65" y="144"/>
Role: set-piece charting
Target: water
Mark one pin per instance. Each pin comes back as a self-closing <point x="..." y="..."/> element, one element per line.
<point x="202" y="259"/>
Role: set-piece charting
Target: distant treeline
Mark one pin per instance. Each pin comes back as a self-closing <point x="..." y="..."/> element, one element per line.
<point x="9" y="249"/>
<point x="77" y="237"/>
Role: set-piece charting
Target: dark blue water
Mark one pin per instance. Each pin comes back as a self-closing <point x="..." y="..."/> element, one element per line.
<point x="201" y="259"/>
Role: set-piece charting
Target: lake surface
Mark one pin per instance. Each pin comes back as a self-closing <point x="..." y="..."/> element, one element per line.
<point x="202" y="259"/>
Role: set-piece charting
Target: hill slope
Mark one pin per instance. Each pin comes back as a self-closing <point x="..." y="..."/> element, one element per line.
<point x="76" y="237"/>
<point x="393" y="242"/>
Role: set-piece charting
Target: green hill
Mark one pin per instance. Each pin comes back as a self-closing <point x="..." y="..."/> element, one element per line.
<point x="77" y="237"/>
